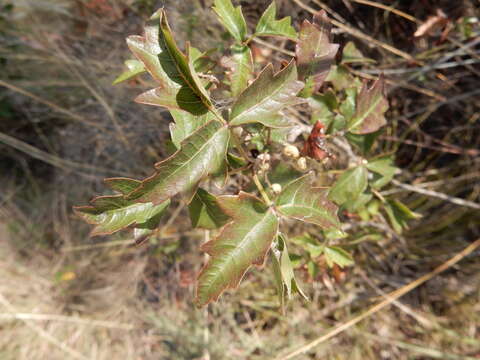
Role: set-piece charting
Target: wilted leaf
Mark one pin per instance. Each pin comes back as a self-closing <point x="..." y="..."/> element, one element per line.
<point x="205" y="212"/>
<point x="232" y="18"/>
<point x="283" y="270"/>
<point x="243" y="242"/>
<point x="352" y="55"/>
<point x="178" y="86"/>
<point x="110" y="214"/>
<point x="314" y="51"/>
<point x="399" y="215"/>
<point x="303" y="202"/>
<point x="201" y="154"/>
<point x="349" y="185"/>
<point x="266" y="96"/>
<point x="336" y="255"/>
<point x="268" y="26"/>
<point x="370" y="109"/>
<point x="134" y="68"/>
<point x="186" y="124"/>
<point x="383" y="169"/>
<point x="240" y="66"/>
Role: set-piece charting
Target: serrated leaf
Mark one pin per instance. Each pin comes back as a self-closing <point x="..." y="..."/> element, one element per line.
<point x="352" y="55"/>
<point x="349" y="185"/>
<point x="205" y="212"/>
<point x="110" y="214"/>
<point x="337" y="255"/>
<point x="399" y="214"/>
<point x="134" y="68"/>
<point x="370" y="109"/>
<point x="240" y="65"/>
<point x="241" y="243"/>
<point x="232" y="18"/>
<point x="186" y="124"/>
<point x="283" y="270"/>
<point x="383" y="169"/>
<point x="178" y="86"/>
<point x="268" y="26"/>
<point x="267" y="96"/>
<point x="122" y="185"/>
<point x="201" y="154"/>
<point x="301" y="201"/>
<point x="315" y="52"/>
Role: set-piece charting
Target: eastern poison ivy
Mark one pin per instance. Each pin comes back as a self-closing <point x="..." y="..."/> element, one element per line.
<point x="246" y="139"/>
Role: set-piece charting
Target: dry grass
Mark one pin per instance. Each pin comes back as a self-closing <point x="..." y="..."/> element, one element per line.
<point x="64" y="128"/>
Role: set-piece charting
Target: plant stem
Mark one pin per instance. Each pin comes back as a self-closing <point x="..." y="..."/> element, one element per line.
<point x="256" y="180"/>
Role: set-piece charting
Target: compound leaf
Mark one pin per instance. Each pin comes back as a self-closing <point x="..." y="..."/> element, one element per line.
<point x="134" y="68"/>
<point x="241" y="243"/>
<point x="349" y="185"/>
<point x="110" y="214"/>
<point x="205" y="212"/>
<point x="178" y="85"/>
<point x="301" y="201"/>
<point x="232" y="18"/>
<point x="266" y="96"/>
<point x="314" y="51"/>
<point x="201" y="154"/>
<point x="370" y="109"/>
<point x="268" y="26"/>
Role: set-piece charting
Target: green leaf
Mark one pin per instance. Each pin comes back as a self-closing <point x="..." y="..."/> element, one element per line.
<point x="240" y="66"/>
<point x="371" y="107"/>
<point x="110" y="214"/>
<point x="349" y="185"/>
<point x="186" y="124"/>
<point x="358" y="204"/>
<point x="383" y="169"/>
<point x="179" y="87"/>
<point x="341" y="78"/>
<point x="315" y="52"/>
<point x="268" y="26"/>
<point x="201" y="154"/>
<point x="232" y="18"/>
<point x="266" y="96"/>
<point x="243" y="242"/>
<point x="134" y="68"/>
<point x="352" y="55"/>
<point x="301" y="201"/>
<point x="283" y="270"/>
<point x="363" y="142"/>
<point x="205" y="212"/>
<point x="399" y="215"/>
<point x="336" y="255"/>
<point x="309" y="244"/>
<point x="122" y="185"/>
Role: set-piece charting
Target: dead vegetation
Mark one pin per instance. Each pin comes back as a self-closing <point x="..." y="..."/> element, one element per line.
<point x="64" y="127"/>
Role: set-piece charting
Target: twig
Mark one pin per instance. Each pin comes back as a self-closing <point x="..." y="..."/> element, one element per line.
<point x="431" y="193"/>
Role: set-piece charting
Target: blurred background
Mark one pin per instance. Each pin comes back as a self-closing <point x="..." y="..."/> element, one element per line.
<point x="64" y="127"/>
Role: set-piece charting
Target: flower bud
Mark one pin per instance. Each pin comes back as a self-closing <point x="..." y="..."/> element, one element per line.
<point x="291" y="151"/>
<point x="302" y="163"/>
<point x="276" y="188"/>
